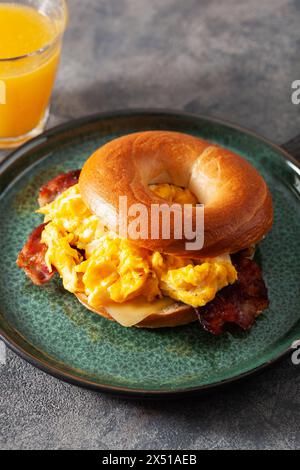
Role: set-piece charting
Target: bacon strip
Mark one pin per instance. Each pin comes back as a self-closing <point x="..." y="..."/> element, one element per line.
<point x="240" y="303"/>
<point x="32" y="258"/>
<point x="56" y="186"/>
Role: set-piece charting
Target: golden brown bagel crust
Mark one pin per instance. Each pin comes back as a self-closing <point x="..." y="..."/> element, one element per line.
<point x="175" y="315"/>
<point x="238" y="205"/>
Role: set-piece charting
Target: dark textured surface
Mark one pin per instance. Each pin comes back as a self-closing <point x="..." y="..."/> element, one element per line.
<point x="234" y="60"/>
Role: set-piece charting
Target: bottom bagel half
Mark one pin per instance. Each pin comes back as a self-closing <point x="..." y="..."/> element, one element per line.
<point x="170" y="315"/>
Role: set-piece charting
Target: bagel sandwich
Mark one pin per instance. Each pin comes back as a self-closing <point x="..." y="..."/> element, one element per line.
<point x="156" y="282"/>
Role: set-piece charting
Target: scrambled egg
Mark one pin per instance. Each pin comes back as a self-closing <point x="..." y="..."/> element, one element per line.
<point x="92" y="260"/>
<point x="174" y="193"/>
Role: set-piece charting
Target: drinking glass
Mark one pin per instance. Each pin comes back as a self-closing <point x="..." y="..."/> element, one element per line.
<point x="27" y="77"/>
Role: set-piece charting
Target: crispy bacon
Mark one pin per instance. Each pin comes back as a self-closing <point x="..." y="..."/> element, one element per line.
<point x="56" y="186"/>
<point x="32" y="258"/>
<point x="240" y="303"/>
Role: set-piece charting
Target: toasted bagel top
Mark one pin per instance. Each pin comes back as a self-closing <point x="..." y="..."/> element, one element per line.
<point x="238" y="208"/>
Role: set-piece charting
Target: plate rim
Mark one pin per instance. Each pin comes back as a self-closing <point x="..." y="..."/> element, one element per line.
<point x="119" y="390"/>
<point x="136" y="393"/>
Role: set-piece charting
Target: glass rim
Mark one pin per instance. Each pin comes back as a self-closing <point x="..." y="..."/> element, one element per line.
<point x="48" y="46"/>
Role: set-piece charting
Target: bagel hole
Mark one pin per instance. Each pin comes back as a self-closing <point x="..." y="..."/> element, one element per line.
<point x="172" y="193"/>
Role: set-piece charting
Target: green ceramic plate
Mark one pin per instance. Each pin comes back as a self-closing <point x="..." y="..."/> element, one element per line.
<point x="49" y="328"/>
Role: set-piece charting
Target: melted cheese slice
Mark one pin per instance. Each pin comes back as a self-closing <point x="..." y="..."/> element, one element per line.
<point x="132" y="312"/>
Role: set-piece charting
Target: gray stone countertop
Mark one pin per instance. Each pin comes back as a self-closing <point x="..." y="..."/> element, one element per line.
<point x="234" y="60"/>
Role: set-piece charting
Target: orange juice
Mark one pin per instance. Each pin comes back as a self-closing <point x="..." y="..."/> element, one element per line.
<point x="26" y="76"/>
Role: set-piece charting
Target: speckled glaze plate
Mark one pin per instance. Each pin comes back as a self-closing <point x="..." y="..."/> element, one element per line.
<point x="50" y="329"/>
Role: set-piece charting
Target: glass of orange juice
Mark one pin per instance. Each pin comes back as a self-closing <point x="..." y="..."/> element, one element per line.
<point x="31" y="33"/>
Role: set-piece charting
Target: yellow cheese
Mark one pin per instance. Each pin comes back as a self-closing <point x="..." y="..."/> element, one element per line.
<point x="135" y="311"/>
